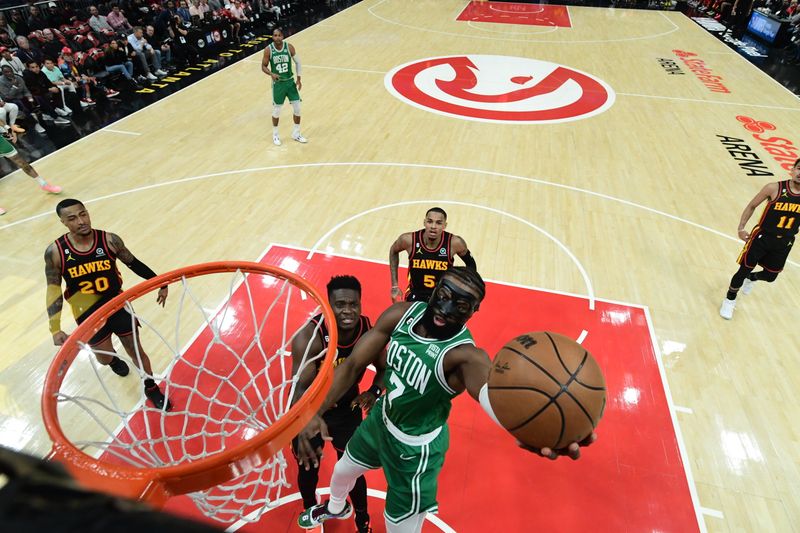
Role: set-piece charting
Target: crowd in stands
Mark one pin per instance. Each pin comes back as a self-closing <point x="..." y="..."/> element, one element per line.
<point x="61" y="57"/>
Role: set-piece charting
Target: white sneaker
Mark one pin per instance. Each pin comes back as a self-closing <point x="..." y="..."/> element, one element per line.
<point x="2" y="211"/>
<point x="299" y="138"/>
<point x="747" y="286"/>
<point x="38" y="128"/>
<point x="726" y="310"/>
<point x="47" y="117"/>
<point x="160" y="72"/>
<point x="61" y="120"/>
<point x="276" y="140"/>
<point x="62" y="112"/>
<point x="151" y="77"/>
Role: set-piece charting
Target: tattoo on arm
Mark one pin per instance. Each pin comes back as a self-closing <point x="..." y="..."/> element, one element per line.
<point x="119" y="248"/>
<point x="55" y="300"/>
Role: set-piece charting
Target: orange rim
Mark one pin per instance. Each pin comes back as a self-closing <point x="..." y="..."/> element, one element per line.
<point x="156" y="485"/>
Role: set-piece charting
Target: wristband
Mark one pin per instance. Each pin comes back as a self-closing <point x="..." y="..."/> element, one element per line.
<point x="376" y="390"/>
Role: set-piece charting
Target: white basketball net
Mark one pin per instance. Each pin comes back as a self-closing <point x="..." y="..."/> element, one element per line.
<point x="228" y="382"/>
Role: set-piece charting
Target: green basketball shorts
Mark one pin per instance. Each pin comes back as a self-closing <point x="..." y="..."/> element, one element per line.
<point x="411" y="471"/>
<point x="281" y="90"/>
<point x="6" y="148"/>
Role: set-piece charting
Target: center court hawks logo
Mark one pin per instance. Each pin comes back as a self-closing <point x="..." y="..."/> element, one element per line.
<point x="490" y="88"/>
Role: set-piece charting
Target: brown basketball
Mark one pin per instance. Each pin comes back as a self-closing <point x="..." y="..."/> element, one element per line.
<point x="546" y="390"/>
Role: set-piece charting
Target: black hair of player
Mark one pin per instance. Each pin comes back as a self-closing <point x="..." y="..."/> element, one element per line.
<point x="796" y="161"/>
<point x="68" y="202"/>
<point x="343" y="282"/>
<point x="469" y="277"/>
<point x="436" y="210"/>
<point x="277" y="28"/>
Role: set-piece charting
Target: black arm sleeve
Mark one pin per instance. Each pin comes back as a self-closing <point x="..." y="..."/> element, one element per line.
<point x="469" y="261"/>
<point x="142" y="270"/>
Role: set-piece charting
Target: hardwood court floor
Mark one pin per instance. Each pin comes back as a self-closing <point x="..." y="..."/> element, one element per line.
<point x="643" y="195"/>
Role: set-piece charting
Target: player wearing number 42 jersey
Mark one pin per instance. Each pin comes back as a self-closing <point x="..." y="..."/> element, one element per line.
<point x="770" y="241"/>
<point x="430" y="253"/>
<point x="86" y="259"/>
<point x="277" y="63"/>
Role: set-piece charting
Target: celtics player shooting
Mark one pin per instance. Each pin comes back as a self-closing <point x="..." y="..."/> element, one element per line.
<point x="430" y="359"/>
<point x="277" y="63"/>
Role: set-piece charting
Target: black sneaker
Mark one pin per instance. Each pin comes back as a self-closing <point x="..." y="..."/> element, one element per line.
<point x="362" y="523"/>
<point x="155" y="395"/>
<point x="119" y="367"/>
<point x="316" y="515"/>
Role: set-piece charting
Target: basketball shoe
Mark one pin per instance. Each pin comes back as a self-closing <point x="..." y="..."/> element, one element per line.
<point x="362" y="523"/>
<point x="299" y="138"/>
<point x="52" y="189"/>
<point x="276" y="140"/>
<point x="317" y="514"/>
<point x="726" y="310"/>
<point x="119" y="367"/>
<point x="747" y="286"/>
<point x="155" y="395"/>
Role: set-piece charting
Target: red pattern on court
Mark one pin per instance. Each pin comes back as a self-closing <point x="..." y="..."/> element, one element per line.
<point x="515" y="13"/>
<point x="632" y="479"/>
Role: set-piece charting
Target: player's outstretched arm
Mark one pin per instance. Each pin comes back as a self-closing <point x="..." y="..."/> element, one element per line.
<point x="366" y="351"/>
<point x="459" y="247"/>
<point x="306" y="346"/>
<point x="768" y="192"/>
<point x="472" y="366"/>
<point x="138" y="268"/>
<point x="403" y="243"/>
<point x="366" y="400"/>
<point x="55" y="300"/>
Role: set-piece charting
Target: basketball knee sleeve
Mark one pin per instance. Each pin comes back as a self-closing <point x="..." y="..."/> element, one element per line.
<point x="739" y="277"/>
<point x="345" y="474"/>
<point x="276" y="110"/>
<point x="296" y="108"/>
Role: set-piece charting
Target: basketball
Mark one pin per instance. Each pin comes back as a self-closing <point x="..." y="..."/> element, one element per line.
<point x="546" y="390"/>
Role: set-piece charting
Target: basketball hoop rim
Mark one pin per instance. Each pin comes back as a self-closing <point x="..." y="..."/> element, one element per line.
<point x="158" y="484"/>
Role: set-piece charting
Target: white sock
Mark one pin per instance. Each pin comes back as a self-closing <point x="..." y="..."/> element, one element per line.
<point x="41" y="181"/>
<point x="275" y="130"/>
<point x="296" y="130"/>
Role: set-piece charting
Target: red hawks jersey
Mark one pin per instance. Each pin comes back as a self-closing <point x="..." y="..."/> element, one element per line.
<point x="426" y="265"/>
<point x="92" y="277"/>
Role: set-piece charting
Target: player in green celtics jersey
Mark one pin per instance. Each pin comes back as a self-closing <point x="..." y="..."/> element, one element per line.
<point x="7" y="150"/>
<point x="430" y="359"/>
<point x="277" y="63"/>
